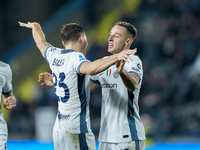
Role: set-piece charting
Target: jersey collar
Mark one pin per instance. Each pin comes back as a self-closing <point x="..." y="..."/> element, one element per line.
<point x="67" y="51"/>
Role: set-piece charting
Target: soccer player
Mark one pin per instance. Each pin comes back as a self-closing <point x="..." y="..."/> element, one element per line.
<point x="9" y="100"/>
<point x="70" y="70"/>
<point x="121" y="127"/>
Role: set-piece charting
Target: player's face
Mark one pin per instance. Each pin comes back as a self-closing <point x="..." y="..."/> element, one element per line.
<point x="117" y="39"/>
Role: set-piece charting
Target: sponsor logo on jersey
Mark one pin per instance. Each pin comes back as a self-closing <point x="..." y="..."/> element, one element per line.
<point x="81" y="58"/>
<point x="58" y="62"/>
<point x="108" y="72"/>
<point x="109" y="85"/>
<point x="116" y="74"/>
<point x="63" y="117"/>
<point x="52" y="49"/>
<point x="135" y="69"/>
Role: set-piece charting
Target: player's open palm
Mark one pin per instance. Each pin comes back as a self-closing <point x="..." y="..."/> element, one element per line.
<point x="28" y="25"/>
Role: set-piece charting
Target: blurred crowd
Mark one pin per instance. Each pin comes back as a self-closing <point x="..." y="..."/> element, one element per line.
<point x="169" y="41"/>
<point x="168" y="45"/>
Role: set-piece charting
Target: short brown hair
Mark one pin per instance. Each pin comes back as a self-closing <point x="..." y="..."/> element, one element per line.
<point x="71" y="32"/>
<point x="130" y="28"/>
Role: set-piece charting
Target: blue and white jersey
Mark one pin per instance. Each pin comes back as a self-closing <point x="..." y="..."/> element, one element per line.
<point x="5" y="89"/>
<point x="72" y="88"/>
<point x="120" y="120"/>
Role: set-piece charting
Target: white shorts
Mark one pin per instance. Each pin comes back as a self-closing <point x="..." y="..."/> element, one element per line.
<point x="3" y="145"/>
<point x="69" y="141"/>
<point x="133" y="145"/>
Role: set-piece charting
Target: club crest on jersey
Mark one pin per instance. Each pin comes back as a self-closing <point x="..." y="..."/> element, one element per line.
<point x="108" y="72"/>
<point x="116" y="74"/>
<point x="81" y="58"/>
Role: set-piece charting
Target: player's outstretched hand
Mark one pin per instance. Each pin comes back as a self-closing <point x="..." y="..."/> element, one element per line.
<point x="46" y="79"/>
<point x="124" y="55"/>
<point x="28" y="25"/>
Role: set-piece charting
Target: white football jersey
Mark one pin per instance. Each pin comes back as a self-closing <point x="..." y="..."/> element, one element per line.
<point x="72" y="88"/>
<point x="120" y="120"/>
<point x="5" y="89"/>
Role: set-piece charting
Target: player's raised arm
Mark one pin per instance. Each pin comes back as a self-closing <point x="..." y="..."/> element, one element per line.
<point x="100" y="65"/>
<point x="38" y="35"/>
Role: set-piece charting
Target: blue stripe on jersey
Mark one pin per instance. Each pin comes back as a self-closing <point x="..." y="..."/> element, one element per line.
<point x="45" y="54"/>
<point x="7" y="93"/>
<point x="80" y="66"/>
<point x="131" y="119"/>
<point x="136" y="74"/>
<point x="137" y="145"/>
<point x="64" y="51"/>
<point x="82" y="142"/>
<point x="82" y="98"/>
<point x="95" y="81"/>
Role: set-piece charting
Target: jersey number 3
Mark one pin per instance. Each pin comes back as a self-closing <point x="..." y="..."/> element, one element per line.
<point x="61" y="84"/>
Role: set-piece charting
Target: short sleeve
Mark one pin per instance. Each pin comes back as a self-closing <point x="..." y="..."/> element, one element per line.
<point x="49" y="52"/>
<point x="78" y="61"/>
<point x="95" y="79"/>
<point x="7" y="88"/>
<point x="134" y="66"/>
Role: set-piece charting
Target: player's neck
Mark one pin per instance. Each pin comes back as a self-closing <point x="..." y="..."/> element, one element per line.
<point x="74" y="46"/>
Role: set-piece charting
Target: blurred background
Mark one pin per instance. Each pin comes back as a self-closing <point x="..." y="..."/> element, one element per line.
<point x="167" y="43"/>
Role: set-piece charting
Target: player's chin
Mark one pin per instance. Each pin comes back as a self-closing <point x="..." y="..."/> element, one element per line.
<point x="110" y="50"/>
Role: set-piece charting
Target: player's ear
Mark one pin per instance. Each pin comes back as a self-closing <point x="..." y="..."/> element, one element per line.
<point x="81" y="38"/>
<point x="63" y="43"/>
<point x="129" y="41"/>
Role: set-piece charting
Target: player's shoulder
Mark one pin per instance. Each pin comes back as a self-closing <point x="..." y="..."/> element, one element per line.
<point x="5" y="68"/>
<point x="78" y="53"/>
<point x="53" y="49"/>
<point x="4" y="65"/>
<point x="135" y="57"/>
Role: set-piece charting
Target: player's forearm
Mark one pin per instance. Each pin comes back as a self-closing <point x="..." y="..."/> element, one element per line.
<point x="39" y="37"/>
<point x="38" y="34"/>
<point x="102" y="64"/>
<point x="129" y="81"/>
